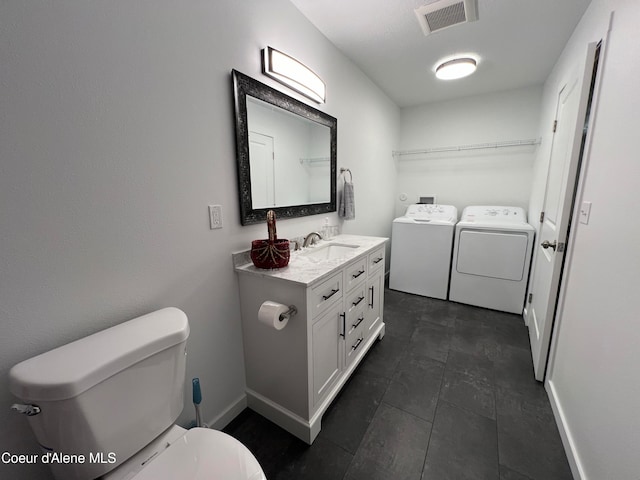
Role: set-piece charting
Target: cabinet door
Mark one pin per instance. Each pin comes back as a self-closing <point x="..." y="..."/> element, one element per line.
<point x="375" y="299"/>
<point x="327" y="348"/>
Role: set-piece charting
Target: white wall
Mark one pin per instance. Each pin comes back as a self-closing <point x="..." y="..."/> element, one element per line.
<point x="478" y="177"/>
<point x="116" y="132"/>
<point x="593" y="377"/>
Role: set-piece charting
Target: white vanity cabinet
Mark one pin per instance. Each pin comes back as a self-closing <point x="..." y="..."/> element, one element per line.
<point x="293" y="374"/>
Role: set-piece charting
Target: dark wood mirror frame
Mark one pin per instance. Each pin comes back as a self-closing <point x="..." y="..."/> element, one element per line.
<point x="243" y="86"/>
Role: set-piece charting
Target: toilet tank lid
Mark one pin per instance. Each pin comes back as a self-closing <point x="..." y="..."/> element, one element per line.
<point x="71" y="369"/>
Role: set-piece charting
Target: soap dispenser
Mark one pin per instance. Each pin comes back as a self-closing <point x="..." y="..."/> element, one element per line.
<point x="326" y="229"/>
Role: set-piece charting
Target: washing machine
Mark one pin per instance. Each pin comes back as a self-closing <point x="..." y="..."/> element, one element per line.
<point x="491" y="258"/>
<point x="421" y="244"/>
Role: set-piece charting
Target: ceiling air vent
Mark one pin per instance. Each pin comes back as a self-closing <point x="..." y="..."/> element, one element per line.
<point x="442" y="14"/>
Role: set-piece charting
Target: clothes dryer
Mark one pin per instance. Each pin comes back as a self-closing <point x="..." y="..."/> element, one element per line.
<point x="491" y="258"/>
<point x="421" y="244"/>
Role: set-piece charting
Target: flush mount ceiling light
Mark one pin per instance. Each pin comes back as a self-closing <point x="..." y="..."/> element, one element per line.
<point x="456" y="68"/>
<point x="295" y="75"/>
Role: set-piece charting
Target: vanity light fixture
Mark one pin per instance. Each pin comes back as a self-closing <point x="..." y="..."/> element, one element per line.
<point x="295" y="75"/>
<point x="456" y="68"/>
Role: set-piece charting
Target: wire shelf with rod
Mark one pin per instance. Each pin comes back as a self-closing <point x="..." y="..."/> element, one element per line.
<point x="474" y="146"/>
<point x="315" y="161"/>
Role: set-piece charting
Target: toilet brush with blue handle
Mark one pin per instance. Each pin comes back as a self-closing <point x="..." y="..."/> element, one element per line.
<point x="197" y="398"/>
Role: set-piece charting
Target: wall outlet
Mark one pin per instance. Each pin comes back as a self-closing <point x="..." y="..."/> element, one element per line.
<point x="215" y="216"/>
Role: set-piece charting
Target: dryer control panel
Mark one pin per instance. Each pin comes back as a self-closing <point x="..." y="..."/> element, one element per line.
<point x="500" y="214"/>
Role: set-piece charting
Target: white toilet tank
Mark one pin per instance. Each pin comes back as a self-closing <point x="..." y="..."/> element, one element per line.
<point x="106" y="396"/>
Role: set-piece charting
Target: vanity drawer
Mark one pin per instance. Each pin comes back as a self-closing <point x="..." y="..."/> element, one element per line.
<point x="354" y="343"/>
<point x="355" y="316"/>
<point x="325" y="294"/>
<point x="355" y="325"/>
<point x="355" y="305"/>
<point x="376" y="260"/>
<point x="355" y="273"/>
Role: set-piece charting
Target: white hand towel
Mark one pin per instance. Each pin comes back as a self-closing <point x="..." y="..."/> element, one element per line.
<point x="347" y="206"/>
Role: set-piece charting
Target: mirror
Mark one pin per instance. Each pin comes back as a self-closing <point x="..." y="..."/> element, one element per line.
<point x="286" y="153"/>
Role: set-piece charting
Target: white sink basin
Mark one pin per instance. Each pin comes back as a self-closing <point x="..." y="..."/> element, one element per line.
<point x="330" y="251"/>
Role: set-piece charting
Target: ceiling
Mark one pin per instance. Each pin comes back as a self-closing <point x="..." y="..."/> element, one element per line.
<point x="517" y="41"/>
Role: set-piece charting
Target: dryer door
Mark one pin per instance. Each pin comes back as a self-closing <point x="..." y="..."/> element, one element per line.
<point x="494" y="254"/>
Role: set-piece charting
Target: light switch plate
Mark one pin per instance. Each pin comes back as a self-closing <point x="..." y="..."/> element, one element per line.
<point x="585" y="211"/>
<point x="215" y="216"/>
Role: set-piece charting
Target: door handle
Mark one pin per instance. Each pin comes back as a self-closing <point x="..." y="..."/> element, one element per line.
<point x="546" y="244"/>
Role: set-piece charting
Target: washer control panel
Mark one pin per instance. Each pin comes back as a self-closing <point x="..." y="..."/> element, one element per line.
<point x="428" y="212"/>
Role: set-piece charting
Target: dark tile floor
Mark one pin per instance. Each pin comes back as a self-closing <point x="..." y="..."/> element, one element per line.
<point x="448" y="393"/>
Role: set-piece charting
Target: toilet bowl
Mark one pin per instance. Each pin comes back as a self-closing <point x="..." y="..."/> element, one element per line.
<point x="112" y="399"/>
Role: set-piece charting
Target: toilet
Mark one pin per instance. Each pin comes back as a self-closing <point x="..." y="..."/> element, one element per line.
<point x="105" y="406"/>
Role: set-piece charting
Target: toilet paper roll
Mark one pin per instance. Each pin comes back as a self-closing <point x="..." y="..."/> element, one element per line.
<point x="273" y="315"/>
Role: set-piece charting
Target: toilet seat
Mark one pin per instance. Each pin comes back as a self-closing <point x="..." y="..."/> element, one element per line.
<point x="203" y="454"/>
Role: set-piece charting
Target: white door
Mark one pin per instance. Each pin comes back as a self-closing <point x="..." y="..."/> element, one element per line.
<point x="262" y="170"/>
<point x="558" y="200"/>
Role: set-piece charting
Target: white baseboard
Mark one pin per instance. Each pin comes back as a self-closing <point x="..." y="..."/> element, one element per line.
<point x="294" y="424"/>
<point x="565" y="433"/>
<point x="229" y="413"/>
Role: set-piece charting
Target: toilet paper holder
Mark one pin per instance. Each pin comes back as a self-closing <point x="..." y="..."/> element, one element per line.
<point x="289" y="313"/>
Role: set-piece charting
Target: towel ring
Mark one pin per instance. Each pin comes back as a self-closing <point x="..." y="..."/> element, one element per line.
<point x="342" y="170"/>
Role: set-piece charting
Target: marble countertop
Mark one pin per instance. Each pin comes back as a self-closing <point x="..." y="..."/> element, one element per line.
<point x="305" y="270"/>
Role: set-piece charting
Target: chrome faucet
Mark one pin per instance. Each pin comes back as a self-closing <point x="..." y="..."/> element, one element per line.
<point x="310" y="239"/>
